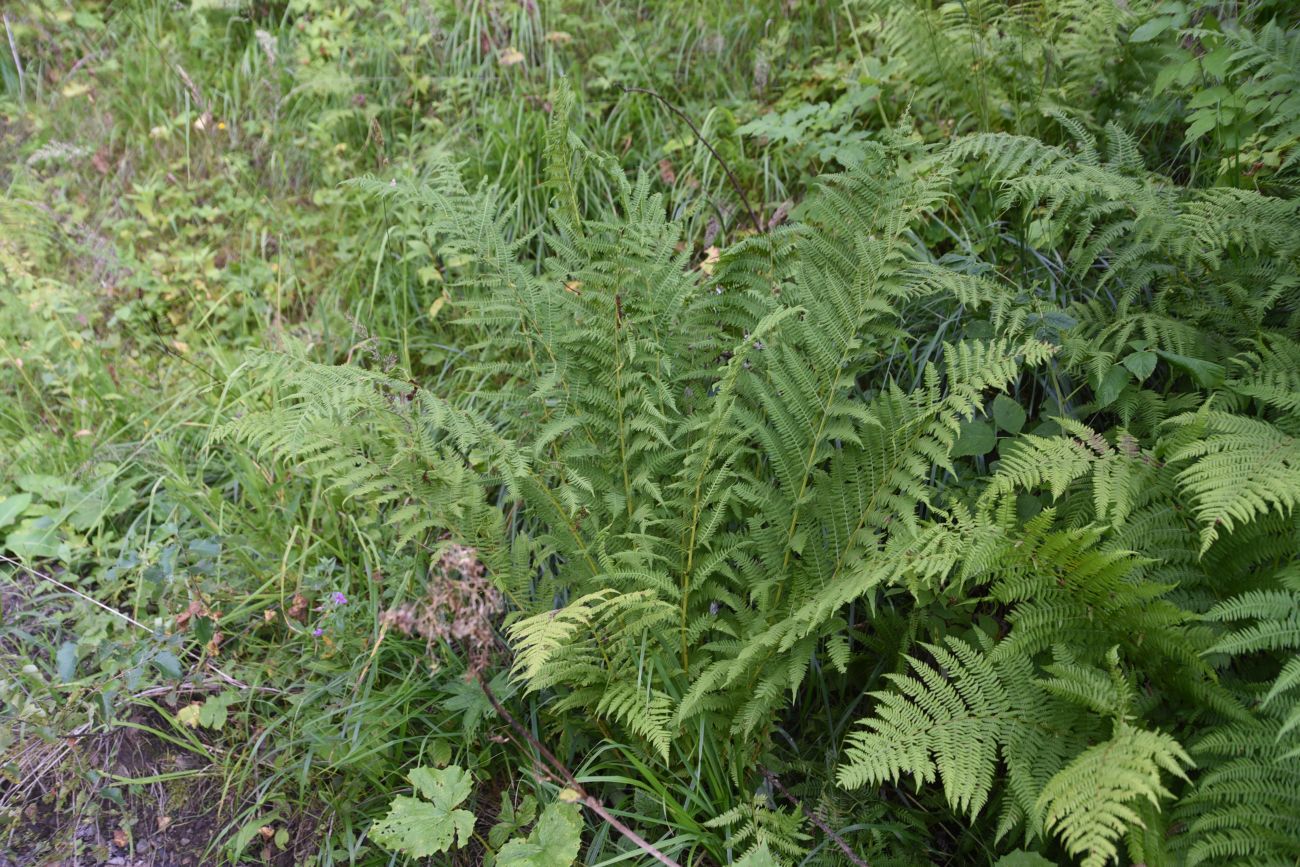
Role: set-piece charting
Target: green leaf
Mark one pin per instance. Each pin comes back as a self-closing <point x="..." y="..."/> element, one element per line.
<point x="1141" y="363"/>
<point x="1111" y="385"/>
<point x="511" y="818"/>
<point x="976" y="438"/>
<point x="66" y="660"/>
<point x="1210" y="96"/>
<point x="168" y="664"/>
<point x="1150" y="29"/>
<point x="1207" y="374"/>
<point x="213" y="712"/>
<point x="13" y="506"/>
<point x="1023" y="858"/>
<point x="420" y="828"/>
<point x="761" y="856"/>
<point x="35" y="538"/>
<point x="1216" y="62"/>
<point x="245" y="835"/>
<point x="1170" y="73"/>
<point x="554" y="842"/>
<point x="1203" y="123"/>
<point x="1009" y="415"/>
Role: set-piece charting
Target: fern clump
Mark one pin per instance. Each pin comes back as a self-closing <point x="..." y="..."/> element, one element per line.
<point x="1011" y="554"/>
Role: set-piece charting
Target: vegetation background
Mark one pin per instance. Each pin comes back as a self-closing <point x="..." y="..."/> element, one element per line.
<point x="537" y="433"/>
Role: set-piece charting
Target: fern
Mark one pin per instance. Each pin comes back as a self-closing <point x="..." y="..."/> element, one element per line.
<point x="1088" y="802"/>
<point x="705" y="492"/>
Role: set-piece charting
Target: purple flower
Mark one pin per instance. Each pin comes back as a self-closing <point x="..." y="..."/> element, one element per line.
<point x="318" y="632"/>
<point x="338" y="598"/>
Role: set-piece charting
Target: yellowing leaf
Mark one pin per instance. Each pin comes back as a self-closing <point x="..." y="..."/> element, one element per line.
<point x="437" y="305"/>
<point x="510" y="57"/>
<point x="189" y="715"/>
<point x="711" y="255"/>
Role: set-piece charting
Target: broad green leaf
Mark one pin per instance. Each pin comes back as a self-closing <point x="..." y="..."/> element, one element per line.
<point x="1150" y="29"/>
<point x="554" y="842"/>
<point x="1141" y="363"/>
<point x="1209" y="96"/>
<point x="1203" y="123"/>
<point x="420" y="828"/>
<point x="66" y="660"/>
<point x="1111" y="385"/>
<point x="1207" y="374"/>
<point x="213" y="712"/>
<point x="34" y="538"/>
<point x="168" y="664"/>
<point x="1216" y="62"/>
<point x="1009" y="415"/>
<point x="976" y="438"/>
<point x="446" y="787"/>
<point x="12" y="506"/>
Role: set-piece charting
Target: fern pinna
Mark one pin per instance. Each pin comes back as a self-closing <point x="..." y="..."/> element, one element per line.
<point x="739" y="506"/>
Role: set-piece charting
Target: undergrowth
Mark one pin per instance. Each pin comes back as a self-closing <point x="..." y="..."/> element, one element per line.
<point x="550" y="433"/>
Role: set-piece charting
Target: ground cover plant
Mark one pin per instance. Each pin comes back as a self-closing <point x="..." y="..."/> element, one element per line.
<point x="653" y="433"/>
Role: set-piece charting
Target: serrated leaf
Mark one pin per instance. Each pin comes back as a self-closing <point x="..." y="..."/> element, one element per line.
<point x="1009" y="415"/>
<point x="420" y="829"/>
<point x="761" y="856"/>
<point x="445" y="787"/>
<point x="554" y="841"/>
<point x="511" y="818"/>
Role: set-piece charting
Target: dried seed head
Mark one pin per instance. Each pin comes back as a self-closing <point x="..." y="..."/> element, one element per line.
<point x="459" y="608"/>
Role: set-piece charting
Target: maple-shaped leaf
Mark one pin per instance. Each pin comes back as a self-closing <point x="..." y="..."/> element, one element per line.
<point x="554" y="841"/>
<point x="426" y="827"/>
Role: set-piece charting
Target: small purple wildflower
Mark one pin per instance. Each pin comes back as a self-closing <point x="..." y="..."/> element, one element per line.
<point x="318" y="632"/>
<point x="338" y="598"/>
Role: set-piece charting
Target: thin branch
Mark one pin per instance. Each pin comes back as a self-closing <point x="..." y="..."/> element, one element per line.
<point x="731" y="176"/>
<point x="558" y="769"/>
<point x="815" y="819"/>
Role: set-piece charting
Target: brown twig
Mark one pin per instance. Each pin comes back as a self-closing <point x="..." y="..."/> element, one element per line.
<point x="815" y="819"/>
<point x="556" y="768"/>
<point x="731" y="176"/>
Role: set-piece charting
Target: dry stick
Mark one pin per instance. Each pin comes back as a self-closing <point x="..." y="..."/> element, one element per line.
<point x="557" y="768"/>
<point x="816" y="820"/>
<point x="744" y="200"/>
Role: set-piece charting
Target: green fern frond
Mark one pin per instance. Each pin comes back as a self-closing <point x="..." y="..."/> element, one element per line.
<point x="1088" y="802"/>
